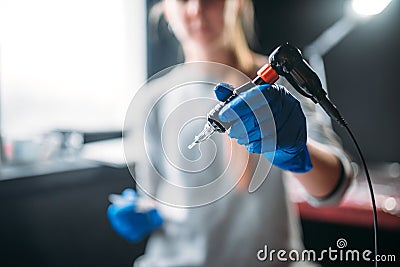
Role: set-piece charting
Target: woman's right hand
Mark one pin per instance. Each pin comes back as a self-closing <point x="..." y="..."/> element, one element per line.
<point x="129" y="218"/>
<point x="268" y="120"/>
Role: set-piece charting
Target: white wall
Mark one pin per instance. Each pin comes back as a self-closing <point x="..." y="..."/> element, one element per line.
<point x="69" y="63"/>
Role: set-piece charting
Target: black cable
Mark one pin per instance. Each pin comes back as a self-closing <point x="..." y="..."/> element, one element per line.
<point x="371" y="190"/>
<point x="334" y="113"/>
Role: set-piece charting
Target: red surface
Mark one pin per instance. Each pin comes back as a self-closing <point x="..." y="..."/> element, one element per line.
<point x="355" y="208"/>
<point x="348" y="214"/>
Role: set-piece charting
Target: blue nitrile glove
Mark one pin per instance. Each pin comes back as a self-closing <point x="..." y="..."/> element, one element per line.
<point x="251" y="107"/>
<point x="129" y="219"/>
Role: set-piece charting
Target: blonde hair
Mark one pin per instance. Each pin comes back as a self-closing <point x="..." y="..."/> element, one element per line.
<point x="241" y="31"/>
<point x="240" y="34"/>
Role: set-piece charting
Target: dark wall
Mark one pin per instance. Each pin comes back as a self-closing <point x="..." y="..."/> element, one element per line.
<point x="298" y="22"/>
<point x="364" y="81"/>
<point x="361" y="70"/>
<point x="163" y="48"/>
<point x="59" y="220"/>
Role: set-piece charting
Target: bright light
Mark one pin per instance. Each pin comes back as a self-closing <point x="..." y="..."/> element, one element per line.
<point x="369" y="7"/>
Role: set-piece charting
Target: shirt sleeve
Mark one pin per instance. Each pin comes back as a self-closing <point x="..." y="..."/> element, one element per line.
<point x="319" y="129"/>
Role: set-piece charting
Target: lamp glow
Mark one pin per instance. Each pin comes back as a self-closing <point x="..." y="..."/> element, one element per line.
<point x="369" y="7"/>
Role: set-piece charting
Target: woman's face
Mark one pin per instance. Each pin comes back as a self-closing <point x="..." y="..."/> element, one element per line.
<point x="196" y="22"/>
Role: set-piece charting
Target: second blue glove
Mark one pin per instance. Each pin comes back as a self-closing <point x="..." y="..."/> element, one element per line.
<point x="255" y="112"/>
<point x="130" y="223"/>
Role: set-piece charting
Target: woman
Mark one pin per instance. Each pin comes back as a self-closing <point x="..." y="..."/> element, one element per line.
<point x="232" y="230"/>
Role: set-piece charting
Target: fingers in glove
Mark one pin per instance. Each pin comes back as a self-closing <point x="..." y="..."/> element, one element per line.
<point x="223" y="90"/>
<point x="267" y="130"/>
<point x="242" y="126"/>
<point x="266" y="145"/>
<point x="244" y="104"/>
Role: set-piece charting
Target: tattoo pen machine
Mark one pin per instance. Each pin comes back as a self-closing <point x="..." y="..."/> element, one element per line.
<point x="286" y="61"/>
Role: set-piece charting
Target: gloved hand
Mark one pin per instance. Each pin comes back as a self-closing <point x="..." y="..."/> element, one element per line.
<point x="253" y="125"/>
<point x="130" y="218"/>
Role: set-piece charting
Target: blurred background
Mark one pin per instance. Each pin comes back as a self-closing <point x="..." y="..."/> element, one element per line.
<point x="68" y="70"/>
